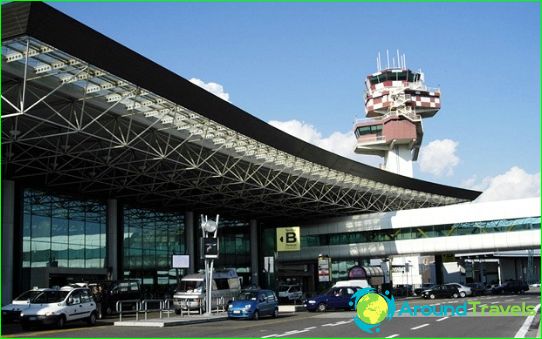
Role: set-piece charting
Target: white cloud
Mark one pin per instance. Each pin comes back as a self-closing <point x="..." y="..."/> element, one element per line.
<point x="438" y="157"/>
<point x="337" y="142"/>
<point x="514" y="184"/>
<point x="213" y="87"/>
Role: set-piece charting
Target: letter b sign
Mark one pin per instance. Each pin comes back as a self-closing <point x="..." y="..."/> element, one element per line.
<point x="288" y="239"/>
<point x="291" y="237"/>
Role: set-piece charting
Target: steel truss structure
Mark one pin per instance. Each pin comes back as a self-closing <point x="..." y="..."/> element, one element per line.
<point x="71" y="126"/>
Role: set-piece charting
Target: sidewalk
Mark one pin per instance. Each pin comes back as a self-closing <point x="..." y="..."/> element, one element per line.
<point x="177" y="320"/>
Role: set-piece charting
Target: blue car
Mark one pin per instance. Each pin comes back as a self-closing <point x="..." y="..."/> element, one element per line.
<point x="253" y="304"/>
<point x="334" y="298"/>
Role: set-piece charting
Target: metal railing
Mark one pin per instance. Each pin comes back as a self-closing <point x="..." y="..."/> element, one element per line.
<point x="120" y="309"/>
<point x="165" y="306"/>
<point x="144" y="306"/>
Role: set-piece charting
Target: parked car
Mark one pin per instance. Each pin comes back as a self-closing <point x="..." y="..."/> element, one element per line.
<point x="402" y="290"/>
<point x="191" y="293"/>
<point x="12" y="312"/>
<point x="334" y="298"/>
<point x="290" y="293"/>
<point x="107" y="293"/>
<point x="418" y="291"/>
<point x="441" y="291"/>
<point x="477" y="288"/>
<point x="49" y="306"/>
<point x="511" y="286"/>
<point x="359" y="283"/>
<point x="463" y="290"/>
<point x="253" y="304"/>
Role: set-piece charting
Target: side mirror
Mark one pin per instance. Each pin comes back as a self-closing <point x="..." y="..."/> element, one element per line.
<point x="262" y="299"/>
<point x="70" y="301"/>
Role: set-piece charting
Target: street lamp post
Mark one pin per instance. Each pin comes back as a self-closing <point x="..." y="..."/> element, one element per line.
<point x="210" y="252"/>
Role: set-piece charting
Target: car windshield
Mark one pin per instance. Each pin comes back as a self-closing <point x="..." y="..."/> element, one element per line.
<point x="190" y="285"/>
<point x="47" y="297"/>
<point x="28" y="295"/>
<point x="248" y="295"/>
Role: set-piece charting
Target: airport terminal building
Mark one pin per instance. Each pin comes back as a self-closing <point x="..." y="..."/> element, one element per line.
<point x="109" y="159"/>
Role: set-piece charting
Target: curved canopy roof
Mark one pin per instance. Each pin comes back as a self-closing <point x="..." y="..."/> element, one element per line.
<point x="100" y="119"/>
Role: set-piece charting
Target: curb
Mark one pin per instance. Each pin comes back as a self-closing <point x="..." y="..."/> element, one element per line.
<point x="167" y="323"/>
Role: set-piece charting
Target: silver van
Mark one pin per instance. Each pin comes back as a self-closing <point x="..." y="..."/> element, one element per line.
<point x="191" y="293"/>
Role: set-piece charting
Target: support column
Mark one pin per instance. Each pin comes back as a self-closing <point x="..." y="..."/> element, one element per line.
<point x="112" y="238"/>
<point x="189" y="232"/>
<point x="254" y="257"/>
<point x="8" y="229"/>
<point x="438" y="269"/>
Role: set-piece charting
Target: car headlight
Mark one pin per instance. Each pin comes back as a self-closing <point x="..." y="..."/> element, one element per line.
<point x="48" y="314"/>
<point x="312" y="301"/>
<point x="247" y="307"/>
<point x="230" y="306"/>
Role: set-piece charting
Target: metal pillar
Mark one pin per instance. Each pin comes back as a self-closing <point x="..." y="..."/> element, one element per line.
<point x="254" y="263"/>
<point x="8" y="229"/>
<point x="112" y="238"/>
<point x="189" y="233"/>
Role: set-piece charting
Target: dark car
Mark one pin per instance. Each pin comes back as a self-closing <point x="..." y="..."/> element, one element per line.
<point x="334" y="298"/>
<point x="253" y="304"/>
<point x="402" y="290"/>
<point x="511" y="286"/>
<point x="418" y="291"/>
<point x="441" y="291"/>
<point x="107" y="293"/>
<point x="477" y="288"/>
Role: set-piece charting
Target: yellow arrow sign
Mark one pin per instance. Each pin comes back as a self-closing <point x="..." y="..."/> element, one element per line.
<point x="288" y="239"/>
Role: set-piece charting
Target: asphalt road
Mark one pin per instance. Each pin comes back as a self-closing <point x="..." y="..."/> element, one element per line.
<point x="329" y="324"/>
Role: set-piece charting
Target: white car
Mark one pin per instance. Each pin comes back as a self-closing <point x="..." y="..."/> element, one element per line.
<point x="47" y="306"/>
<point x="463" y="290"/>
<point x="290" y="292"/>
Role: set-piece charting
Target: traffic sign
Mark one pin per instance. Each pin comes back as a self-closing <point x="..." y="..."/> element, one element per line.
<point x="288" y="239"/>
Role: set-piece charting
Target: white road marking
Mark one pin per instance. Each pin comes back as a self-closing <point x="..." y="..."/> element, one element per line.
<point x="524" y="298"/>
<point x="470" y="309"/>
<point x="393" y="335"/>
<point x="269" y="336"/>
<point x="417" y="327"/>
<point x="441" y="319"/>
<point x="310" y="328"/>
<point x="526" y="324"/>
<point x="334" y="324"/>
<point x="495" y="302"/>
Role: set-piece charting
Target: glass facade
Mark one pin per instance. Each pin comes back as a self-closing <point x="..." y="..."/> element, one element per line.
<point x="61" y="231"/>
<point x="234" y="242"/>
<point x="468" y="228"/>
<point x="151" y="238"/>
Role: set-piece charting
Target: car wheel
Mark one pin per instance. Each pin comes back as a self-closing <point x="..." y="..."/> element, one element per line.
<point x="431" y="296"/>
<point x="276" y="313"/>
<point x="61" y="321"/>
<point x="462" y="294"/>
<point x="455" y="295"/>
<point x="92" y="319"/>
<point x="256" y="315"/>
<point x="108" y="310"/>
<point x="322" y="307"/>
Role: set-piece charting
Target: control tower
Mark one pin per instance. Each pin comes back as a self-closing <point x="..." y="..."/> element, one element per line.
<point x="396" y="101"/>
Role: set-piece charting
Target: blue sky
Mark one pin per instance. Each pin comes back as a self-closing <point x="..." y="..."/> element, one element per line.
<point x="307" y="62"/>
